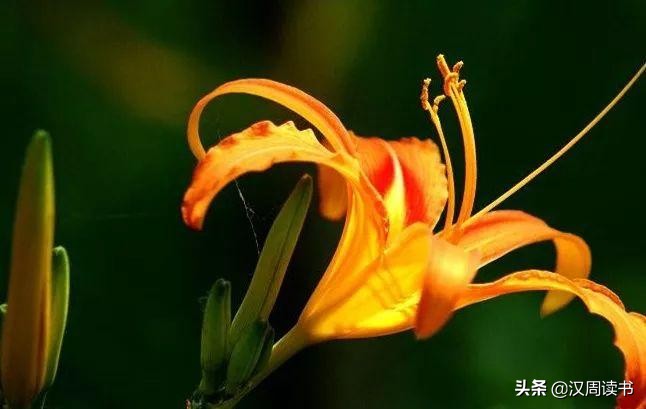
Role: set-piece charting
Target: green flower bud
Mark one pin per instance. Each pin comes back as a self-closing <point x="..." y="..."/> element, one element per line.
<point x="265" y="353"/>
<point x="59" y="308"/>
<point x="274" y="258"/>
<point x="246" y="355"/>
<point x="215" y="334"/>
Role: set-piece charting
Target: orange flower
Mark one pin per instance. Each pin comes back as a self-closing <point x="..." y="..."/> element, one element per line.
<point x="391" y="272"/>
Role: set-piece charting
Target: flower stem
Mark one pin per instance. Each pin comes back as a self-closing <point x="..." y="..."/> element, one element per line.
<point x="291" y="343"/>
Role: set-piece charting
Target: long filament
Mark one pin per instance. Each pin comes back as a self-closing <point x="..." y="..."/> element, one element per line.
<point x="563" y="150"/>
<point x="453" y="89"/>
<point x="435" y="119"/>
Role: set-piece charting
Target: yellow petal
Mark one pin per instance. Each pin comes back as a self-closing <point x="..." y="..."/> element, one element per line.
<point x="253" y="150"/>
<point x="450" y="270"/>
<point x="333" y="193"/>
<point x="298" y="101"/>
<point x="379" y="299"/>
<point x="497" y="233"/>
<point x="262" y="145"/>
<point x="259" y="147"/>
<point x="630" y="328"/>
<point x="362" y="241"/>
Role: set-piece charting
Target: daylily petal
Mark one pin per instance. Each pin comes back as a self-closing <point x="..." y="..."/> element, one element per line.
<point x="410" y="178"/>
<point x="408" y="173"/>
<point x="450" y="270"/>
<point x="298" y="101"/>
<point x="333" y="193"/>
<point x="497" y="233"/>
<point x="252" y="150"/>
<point x="380" y="164"/>
<point x="259" y="147"/>
<point x="264" y="144"/>
<point x="424" y="179"/>
<point x="630" y="328"/>
<point x="381" y="298"/>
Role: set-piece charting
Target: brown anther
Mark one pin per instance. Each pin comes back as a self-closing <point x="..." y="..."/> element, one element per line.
<point x="461" y="85"/>
<point x="457" y="67"/>
<point x="437" y="100"/>
<point x="442" y="66"/>
<point x="424" y="95"/>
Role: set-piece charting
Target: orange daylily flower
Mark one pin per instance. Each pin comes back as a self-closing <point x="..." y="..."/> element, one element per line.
<point x="391" y="272"/>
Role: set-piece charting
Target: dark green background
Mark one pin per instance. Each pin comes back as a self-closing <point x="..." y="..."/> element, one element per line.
<point x="114" y="81"/>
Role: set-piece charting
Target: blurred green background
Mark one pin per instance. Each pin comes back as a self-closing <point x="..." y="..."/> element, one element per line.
<point x="114" y="81"/>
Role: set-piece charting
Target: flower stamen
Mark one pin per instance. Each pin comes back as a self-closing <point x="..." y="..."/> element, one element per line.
<point x="436" y="102"/>
<point x="435" y="119"/>
<point x="453" y="88"/>
<point x="563" y="150"/>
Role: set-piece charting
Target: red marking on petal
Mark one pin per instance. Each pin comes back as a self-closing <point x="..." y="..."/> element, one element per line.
<point x="376" y="162"/>
<point x="260" y="128"/>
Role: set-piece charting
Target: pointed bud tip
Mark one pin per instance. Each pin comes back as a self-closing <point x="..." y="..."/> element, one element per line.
<point x="221" y="286"/>
<point x="41" y="134"/>
<point x="60" y="257"/>
<point x="41" y="142"/>
<point x="306" y="184"/>
<point x="306" y="178"/>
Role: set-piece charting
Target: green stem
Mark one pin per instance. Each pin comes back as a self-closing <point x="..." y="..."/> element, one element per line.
<point x="291" y="343"/>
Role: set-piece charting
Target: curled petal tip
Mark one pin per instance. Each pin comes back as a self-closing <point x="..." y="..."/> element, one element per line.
<point x="551" y="305"/>
<point x="425" y="333"/>
<point x="189" y="217"/>
<point x="450" y="270"/>
<point x="254" y="149"/>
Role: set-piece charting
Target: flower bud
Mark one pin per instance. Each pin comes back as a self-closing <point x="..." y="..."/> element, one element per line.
<point x="215" y="333"/>
<point x="274" y="258"/>
<point x="59" y="307"/>
<point x="246" y="355"/>
<point x="26" y="328"/>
